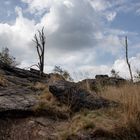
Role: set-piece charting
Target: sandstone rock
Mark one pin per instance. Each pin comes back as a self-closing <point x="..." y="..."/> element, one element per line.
<point x="16" y="100"/>
<point x="100" y="82"/>
<point x="104" y="80"/>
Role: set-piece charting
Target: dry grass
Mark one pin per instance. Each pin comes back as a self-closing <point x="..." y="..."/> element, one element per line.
<point x="39" y="86"/>
<point x="55" y="77"/>
<point x="3" y="81"/>
<point x="43" y="88"/>
<point x="48" y="103"/>
<point x="88" y="121"/>
<point x="46" y="98"/>
<point x="128" y="96"/>
<point x="47" y="95"/>
<point x="120" y="123"/>
<point x="128" y="126"/>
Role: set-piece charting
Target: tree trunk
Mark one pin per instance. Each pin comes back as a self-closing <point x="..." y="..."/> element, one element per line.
<point x="40" y="46"/>
<point x="127" y="61"/>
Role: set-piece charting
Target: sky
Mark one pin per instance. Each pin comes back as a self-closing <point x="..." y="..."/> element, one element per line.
<point x="84" y="37"/>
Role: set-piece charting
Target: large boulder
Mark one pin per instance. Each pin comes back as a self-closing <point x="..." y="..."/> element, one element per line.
<point x="17" y="98"/>
<point x="100" y="82"/>
<point x="77" y="98"/>
<point x="105" y="80"/>
<point x="16" y="101"/>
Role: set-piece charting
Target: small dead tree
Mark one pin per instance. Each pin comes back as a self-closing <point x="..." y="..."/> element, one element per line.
<point x="7" y="59"/>
<point x="114" y="73"/>
<point x="127" y="60"/>
<point x="64" y="73"/>
<point x="40" y="41"/>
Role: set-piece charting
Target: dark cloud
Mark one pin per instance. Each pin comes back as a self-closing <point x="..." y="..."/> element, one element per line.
<point x="77" y="27"/>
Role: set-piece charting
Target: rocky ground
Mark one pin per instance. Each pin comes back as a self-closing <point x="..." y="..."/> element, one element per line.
<point x="50" y="108"/>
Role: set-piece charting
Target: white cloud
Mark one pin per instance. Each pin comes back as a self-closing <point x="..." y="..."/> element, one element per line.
<point x="87" y="71"/>
<point x="121" y="66"/>
<point x="50" y="21"/>
<point x="38" y="5"/>
<point x="68" y="4"/>
<point x="103" y="7"/>
<point x="111" y="16"/>
<point x="100" y="5"/>
<point x="17" y="36"/>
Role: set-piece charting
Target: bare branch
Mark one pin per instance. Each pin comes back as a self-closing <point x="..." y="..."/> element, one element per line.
<point x="40" y="47"/>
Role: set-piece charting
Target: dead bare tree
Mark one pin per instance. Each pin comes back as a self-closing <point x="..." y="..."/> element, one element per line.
<point x="127" y="60"/>
<point x="40" y="41"/>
